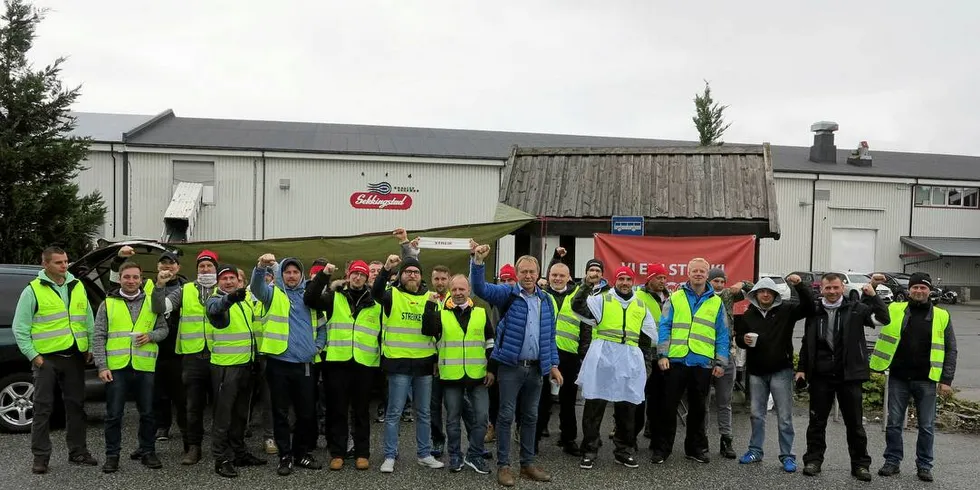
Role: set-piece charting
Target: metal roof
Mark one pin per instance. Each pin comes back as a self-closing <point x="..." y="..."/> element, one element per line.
<point x="945" y="247"/>
<point x="167" y="130"/>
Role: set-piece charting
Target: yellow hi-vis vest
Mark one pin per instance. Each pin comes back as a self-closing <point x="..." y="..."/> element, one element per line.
<point x="463" y="353"/>
<point x="567" y="326"/>
<point x="890" y="335"/>
<point x="650" y="302"/>
<point x="55" y="327"/>
<point x="193" y="325"/>
<point x="354" y="338"/>
<point x="402" y="331"/>
<point x="275" y="325"/>
<point x="234" y="345"/>
<point x="618" y="324"/>
<point x="120" y="350"/>
<point x="695" y="334"/>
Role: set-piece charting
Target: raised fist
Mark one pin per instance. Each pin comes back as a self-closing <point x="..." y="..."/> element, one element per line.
<point x="267" y="260"/>
<point x="793" y="279"/>
<point x="237" y="295"/>
<point x="482" y="251"/>
<point x="434" y="297"/>
<point x="164" y="277"/>
<point x="561" y="251"/>
<point x="869" y="290"/>
<point x="401" y="234"/>
<point x="473" y="246"/>
<point x="392" y="262"/>
<point x="329" y="269"/>
<point x="126" y="252"/>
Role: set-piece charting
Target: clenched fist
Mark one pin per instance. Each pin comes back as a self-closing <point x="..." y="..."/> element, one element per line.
<point x="869" y="290"/>
<point x="126" y="252"/>
<point x="267" y="260"/>
<point x="793" y="279"/>
<point x="401" y="234"/>
<point x="434" y="297"/>
<point x="163" y="277"/>
<point x="329" y="269"/>
<point x="482" y="251"/>
<point x="392" y="262"/>
<point x="561" y="251"/>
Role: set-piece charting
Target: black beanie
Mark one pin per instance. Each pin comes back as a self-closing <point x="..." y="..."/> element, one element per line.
<point x="409" y="262"/>
<point x="596" y="263"/>
<point x="920" y="278"/>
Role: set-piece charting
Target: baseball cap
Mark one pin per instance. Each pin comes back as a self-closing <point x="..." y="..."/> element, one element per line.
<point x="169" y="255"/>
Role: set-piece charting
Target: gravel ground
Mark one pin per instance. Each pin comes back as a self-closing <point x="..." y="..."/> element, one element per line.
<point x="956" y="458"/>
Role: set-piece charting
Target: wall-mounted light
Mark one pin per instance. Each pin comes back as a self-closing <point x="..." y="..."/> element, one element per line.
<point x="284" y="184"/>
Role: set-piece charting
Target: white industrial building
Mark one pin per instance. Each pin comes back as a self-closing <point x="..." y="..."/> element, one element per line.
<point x="262" y="179"/>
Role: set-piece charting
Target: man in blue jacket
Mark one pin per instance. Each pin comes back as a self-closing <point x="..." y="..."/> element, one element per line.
<point x="693" y="346"/>
<point x="524" y="352"/>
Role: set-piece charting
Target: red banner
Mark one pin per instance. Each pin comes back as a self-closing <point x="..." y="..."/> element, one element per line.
<point x="734" y="254"/>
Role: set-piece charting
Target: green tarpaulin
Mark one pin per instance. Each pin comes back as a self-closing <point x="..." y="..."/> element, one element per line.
<point x="376" y="246"/>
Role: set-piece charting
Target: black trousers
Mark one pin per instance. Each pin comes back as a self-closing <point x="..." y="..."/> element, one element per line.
<point x="567" y="395"/>
<point x="695" y="381"/>
<point x="196" y="377"/>
<point x="494" y="393"/>
<point x="623" y="416"/>
<point x="66" y="373"/>
<point x="348" y="389"/>
<point x="291" y="385"/>
<point x="169" y="396"/>
<point x="436" y="423"/>
<point x="232" y="390"/>
<point x="822" y="392"/>
<point x="322" y="404"/>
<point x="654" y="407"/>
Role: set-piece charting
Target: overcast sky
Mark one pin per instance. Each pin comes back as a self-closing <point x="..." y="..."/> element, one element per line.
<point x="902" y="75"/>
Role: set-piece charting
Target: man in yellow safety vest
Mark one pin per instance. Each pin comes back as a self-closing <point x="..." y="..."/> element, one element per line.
<point x="124" y="345"/>
<point x="653" y="294"/>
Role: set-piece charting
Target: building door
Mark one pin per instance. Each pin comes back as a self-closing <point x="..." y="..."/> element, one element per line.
<point x="853" y="249"/>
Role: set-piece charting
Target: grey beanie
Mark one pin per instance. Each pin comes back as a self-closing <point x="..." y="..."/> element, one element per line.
<point x="715" y="273"/>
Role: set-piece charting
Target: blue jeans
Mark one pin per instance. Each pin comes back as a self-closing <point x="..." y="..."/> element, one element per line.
<point x="780" y="385"/>
<point x="524" y="383"/>
<point x="141" y="384"/>
<point x="924" y="395"/>
<point x="398" y="389"/>
<point x="456" y="396"/>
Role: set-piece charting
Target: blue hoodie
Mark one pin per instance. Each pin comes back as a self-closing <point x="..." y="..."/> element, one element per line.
<point x="301" y="347"/>
<point x="722" y="341"/>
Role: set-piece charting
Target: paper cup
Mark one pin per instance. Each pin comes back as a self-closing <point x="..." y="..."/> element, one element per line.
<point x="752" y="337"/>
<point x="555" y="388"/>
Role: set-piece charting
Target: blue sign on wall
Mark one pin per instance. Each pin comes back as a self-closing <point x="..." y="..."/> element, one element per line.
<point x="627" y="225"/>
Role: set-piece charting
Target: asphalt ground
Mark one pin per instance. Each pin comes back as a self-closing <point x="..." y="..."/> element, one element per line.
<point x="956" y="465"/>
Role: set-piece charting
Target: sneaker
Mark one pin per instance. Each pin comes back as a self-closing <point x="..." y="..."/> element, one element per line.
<point x="111" y="464"/>
<point x="309" y="462"/>
<point x="151" y="461"/>
<point x="789" y="465"/>
<point x="586" y="463"/>
<point x="478" y="465"/>
<point x="924" y="474"/>
<point x="270" y="447"/>
<point x="285" y="467"/>
<point x="388" y="466"/>
<point x="861" y="473"/>
<point x="889" y="469"/>
<point x="811" y="469"/>
<point x="407" y="415"/>
<point x="430" y="462"/>
<point x="455" y="465"/>
<point x="380" y="419"/>
<point x="225" y="469"/>
<point x="749" y="458"/>
<point x="657" y="458"/>
<point x="163" y="435"/>
<point x="40" y="465"/>
<point x="627" y="461"/>
<point x="701" y="457"/>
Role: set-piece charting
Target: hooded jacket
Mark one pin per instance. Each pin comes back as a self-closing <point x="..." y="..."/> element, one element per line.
<point x="303" y="344"/>
<point x="773" y="350"/>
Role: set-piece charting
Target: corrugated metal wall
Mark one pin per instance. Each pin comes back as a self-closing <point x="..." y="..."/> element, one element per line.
<point x="98" y="176"/>
<point x="946" y="222"/>
<point x="884" y="207"/>
<point x="318" y="199"/>
<point x="231" y="216"/>
<point x="792" y="251"/>
<point x="953" y="271"/>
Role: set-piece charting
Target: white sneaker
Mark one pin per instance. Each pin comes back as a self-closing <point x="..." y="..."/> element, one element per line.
<point x="388" y="466"/>
<point x="431" y="462"/>
<point x="270" y="447"/>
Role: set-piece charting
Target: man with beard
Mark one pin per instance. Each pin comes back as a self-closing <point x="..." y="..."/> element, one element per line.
<point x="440" y="286"/>
<point x="613" y="369"/>
<point x="408" y="356"/>
<point x="353" y="354"/>
<point x="918" y="346"/>
<point x="188" y="305"/>
<point x="834" y="361"/>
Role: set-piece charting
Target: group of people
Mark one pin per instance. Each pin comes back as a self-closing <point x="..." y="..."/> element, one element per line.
<point x="270" y="343"/>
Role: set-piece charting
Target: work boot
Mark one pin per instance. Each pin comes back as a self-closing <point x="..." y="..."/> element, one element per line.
<point x="726" y="447"/>
<point x="861" y="473"/>
<point x="491" y="435"/>
<point x="889" y="469"/>
<point x="535" y="473"/>
<point x="362" y="464"/>
<point x="111" y="464"/>
<point x="85" y="459"/>
<point x="225" y="469"/>
<point x="40" y="465"/>
<point x="505" y="476"/>
<point x="924" y="474"/>
<point x="192" y="456"/>
<point x="336" y="464"/>
<point x="811" y="469"/>
<point x="151" y="461"/>
<point x="136" y="455"/>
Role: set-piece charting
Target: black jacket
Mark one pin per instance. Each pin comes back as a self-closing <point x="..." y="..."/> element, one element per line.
<point x="432" y="326"/>
<point x="319" y="296"/>
<point x="851" y="319"/>
<point x="773" y="350"/>
<point x="412" y="367"/>
<point x="911" y="360"/>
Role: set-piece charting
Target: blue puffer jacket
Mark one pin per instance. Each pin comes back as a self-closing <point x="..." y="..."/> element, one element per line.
<point x="509" y="337"/>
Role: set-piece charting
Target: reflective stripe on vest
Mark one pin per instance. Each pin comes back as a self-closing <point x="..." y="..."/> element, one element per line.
<point x="349" y="338"/>
<point x="567" y="323"/>
<point x="234" y="345"/>
<point x="651" y="303"/>
<point x="891" y="334"/>
<point x="620" y="325"/>
<point x="55" y="326"/>
<point x="463" y="353"/>
<point x="275" y="324"/>
<point x="402" y="329"/>
<point x="692" y="334"/>
<point x="119" y="347"/>
<point x="193" y="321"/>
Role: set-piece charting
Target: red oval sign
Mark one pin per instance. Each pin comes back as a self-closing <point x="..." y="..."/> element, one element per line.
<point x="373" y="200"/>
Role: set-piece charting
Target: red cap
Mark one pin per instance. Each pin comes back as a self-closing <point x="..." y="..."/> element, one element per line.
<point x="358" y="266"/>
<point x="208" y="255"/>
<point x="657" y="270"/>
<point x="625" y="271"/>
<point x="315" y="269"/>
<point x="507" y="272"/>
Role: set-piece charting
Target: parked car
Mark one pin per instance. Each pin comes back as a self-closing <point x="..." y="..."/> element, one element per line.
<point x="16" y="380"/>
<point x="781" y="286"/>
<point x="899" y="287"/>
<point x="810" y="277"/>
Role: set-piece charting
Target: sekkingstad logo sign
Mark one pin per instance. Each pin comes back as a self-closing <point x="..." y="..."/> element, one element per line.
<point x="380" y="196"/>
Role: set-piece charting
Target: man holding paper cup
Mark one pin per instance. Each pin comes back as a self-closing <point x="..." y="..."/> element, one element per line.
<point x="766" y="332"/>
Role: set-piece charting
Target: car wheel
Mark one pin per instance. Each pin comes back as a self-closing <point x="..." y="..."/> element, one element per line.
<point x="17" y="402"/>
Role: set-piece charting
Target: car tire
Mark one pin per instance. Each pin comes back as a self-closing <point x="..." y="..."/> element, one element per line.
<point x="17" y="402"/>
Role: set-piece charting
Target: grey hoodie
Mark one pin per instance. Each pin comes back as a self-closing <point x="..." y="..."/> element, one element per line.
<point x="764" y="283"/>
<point x="101" y="333"/>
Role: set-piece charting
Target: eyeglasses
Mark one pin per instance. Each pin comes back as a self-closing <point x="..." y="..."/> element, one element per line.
<point x="412" y="272"/>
